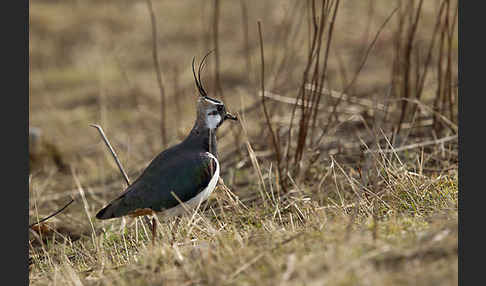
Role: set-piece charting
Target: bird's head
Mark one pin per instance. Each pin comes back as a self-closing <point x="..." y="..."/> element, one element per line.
<point x="210" y="111"/>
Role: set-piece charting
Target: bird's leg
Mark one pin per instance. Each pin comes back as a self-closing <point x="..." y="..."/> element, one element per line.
<point x="173" y="229"/>
<point x="154" y="229"/>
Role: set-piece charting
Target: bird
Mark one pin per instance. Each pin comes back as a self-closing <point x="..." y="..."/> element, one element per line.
<point x="187" y="172"/>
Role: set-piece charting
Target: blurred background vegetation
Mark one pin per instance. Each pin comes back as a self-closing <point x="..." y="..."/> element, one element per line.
<point x="91" y="62"/>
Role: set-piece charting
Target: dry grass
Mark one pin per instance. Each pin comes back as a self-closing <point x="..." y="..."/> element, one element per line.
<point x="360" y="204"/>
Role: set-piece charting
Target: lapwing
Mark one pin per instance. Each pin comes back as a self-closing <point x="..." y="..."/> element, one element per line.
<point x="187" y="172"/>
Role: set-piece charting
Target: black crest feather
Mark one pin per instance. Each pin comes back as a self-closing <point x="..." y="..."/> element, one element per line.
<point x="197" y="78"/>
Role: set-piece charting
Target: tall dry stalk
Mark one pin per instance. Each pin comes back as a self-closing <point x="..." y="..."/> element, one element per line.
<point x="413" y="16"/>
<point x="158" y="74"/>
<point x="444" y="101"/>
<point x="314" y="73"/>
<point x="307" y="100"/>
<point x="410" y="70"/>
<point x="323" y="16"/>
<point x="246" y="38"/>
<point x="217" y="80"/>
<point x="275" y="139"/>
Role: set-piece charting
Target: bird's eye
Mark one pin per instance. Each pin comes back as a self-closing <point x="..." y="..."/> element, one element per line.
<point x="220" y="108"/>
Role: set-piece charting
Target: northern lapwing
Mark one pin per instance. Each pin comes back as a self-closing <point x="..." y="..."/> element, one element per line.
<point x="187" y="172"/>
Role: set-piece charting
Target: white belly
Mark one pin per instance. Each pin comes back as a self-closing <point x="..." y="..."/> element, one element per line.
<point x="201" y="197"/>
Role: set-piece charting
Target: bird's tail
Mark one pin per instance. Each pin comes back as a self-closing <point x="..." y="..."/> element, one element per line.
<point x="106" y="212"/>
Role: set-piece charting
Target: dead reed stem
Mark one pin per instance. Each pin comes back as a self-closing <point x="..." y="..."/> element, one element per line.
<point x="407" y="60"/>
<point x="118" y="163"/>
<point x="275" y="140"/>
<point x="158" y="74"/>
<point x="421" y="80"/>
<point x="217" y="80"/>
<point x="315" y="72"/>
<point x="112" y="151"/>
<point x="246" y="38"/>
<point x="358" y="71"/>
<point x="51" y="215"/>
<point x="324" y="67"/>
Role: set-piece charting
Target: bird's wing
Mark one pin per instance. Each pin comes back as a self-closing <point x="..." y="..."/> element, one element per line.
<point x="184" y="174"/>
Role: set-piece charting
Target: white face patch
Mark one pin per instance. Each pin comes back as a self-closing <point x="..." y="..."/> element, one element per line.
<point x="212" y="121"/>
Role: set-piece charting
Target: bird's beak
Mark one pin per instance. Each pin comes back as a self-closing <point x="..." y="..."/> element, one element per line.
<point x="230" y="116"/>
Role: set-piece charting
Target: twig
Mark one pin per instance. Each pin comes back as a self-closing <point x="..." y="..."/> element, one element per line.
<point x="355" y="100"/>
<point x="324" y="68"/>
<point x="274" y="137"/>
<point x="120" y="167"/>
<point x="217" y="77"/>
<point x="217" y="80"/>
<point x="244" y="17"/>
<point x="416" y="145"/>
<point x="302" y="91"/>
<point x="46" y="218"/>
<point x="436" y="114"/>
<point x="158" y="73"/>
<point x="407" y="62"/>
<point x="102" y="133"/>
<point x="421" y="83"/>
<point x="285" y="99"/>
<point x="363" y="62"/>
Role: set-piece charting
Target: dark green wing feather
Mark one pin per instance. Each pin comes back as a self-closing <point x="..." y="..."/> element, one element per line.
<point x="184" y="173"/>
